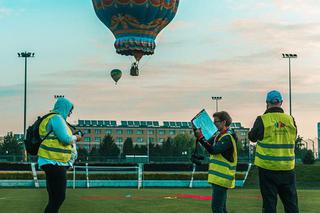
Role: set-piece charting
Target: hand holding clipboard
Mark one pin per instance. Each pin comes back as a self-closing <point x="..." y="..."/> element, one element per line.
<point x="203" y="121"/>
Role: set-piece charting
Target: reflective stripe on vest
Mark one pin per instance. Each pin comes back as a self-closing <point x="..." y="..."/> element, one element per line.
<point x="51" y="147"/>
<point x="221" y="171"/>
<point x="276" y="150"/>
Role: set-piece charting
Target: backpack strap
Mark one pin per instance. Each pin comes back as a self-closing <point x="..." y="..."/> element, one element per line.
<point x="45" y="116"/>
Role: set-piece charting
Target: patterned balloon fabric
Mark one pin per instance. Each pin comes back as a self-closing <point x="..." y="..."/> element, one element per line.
<point x="135" y="23"/>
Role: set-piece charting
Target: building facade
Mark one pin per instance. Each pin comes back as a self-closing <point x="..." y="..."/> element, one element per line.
<point x="141" y="132"/>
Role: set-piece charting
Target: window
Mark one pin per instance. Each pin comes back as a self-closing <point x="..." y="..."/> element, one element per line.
<point x="86" y="131"/>
<point x="119" y="140"/>
<point x="139" y="132"/>
<point x="129" y="131"/>
<point x="162" y="132"/>
<point x="161" y="140"/>
<point x="87" y="139"/>
<point x="182" y="131"/>
<point x="139" y="140"/>
<point x="108" y="131"/>
<point x="151" y="140"/>
<point x="119" y="131"/>
<point x="150" y="132"/>
<point x="172" y="132"/>
<point x="97" y="131"/>
<point x="97" y="139"/>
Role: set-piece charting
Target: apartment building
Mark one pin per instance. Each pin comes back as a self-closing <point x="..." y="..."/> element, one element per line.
<point x="141" y="132"/>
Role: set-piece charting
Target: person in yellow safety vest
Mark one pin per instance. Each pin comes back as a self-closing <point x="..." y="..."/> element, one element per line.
<point x="275" y="133"/>
<point x="56" y="151"/>
<point x="223" y="160"/>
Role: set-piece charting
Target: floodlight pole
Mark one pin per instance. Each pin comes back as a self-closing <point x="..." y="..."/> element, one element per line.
<point x="25" y="55"/>
<point x="58" y="96"/>
<point x="289" y="56"/>
<point x="216" y="98"/>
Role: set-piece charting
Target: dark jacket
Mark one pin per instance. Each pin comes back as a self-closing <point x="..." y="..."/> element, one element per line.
<point x="257" y="131"/>
<point x="224" y="147"/>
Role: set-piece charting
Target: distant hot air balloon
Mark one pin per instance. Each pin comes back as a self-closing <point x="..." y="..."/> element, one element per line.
<point x="135" y="24"/>
<point x="116" y="75"/>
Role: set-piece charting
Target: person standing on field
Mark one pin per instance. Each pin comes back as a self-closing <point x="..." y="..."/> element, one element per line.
<point x="275" y="133"/>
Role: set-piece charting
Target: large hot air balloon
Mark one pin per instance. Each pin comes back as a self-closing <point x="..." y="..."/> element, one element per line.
<point x="135" y="24"/>
<point x="116" y="75"/>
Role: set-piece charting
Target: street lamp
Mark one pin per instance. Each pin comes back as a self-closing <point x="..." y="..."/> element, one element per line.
<point x="25" y="55"/>
<point x="289" y="56"/>
<point x="216" y="98"/>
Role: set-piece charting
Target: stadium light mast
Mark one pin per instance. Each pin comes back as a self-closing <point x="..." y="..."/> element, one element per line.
<point x="58" y="96"/>
<point x="216" y="98"/>
<point x="25" y="55"/>
<point x="289" y="56"/>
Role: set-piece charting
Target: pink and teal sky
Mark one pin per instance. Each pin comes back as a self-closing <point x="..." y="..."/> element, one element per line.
<point x="212" y="48"/>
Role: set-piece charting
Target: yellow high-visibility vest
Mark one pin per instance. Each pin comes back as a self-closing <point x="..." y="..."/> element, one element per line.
<point x="276" y="150"/>
<point x="51" y="148"/>
<point x="221" y="171"/>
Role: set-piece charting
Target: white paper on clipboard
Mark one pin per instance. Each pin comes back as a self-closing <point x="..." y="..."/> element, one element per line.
<point x="203" y="121"/>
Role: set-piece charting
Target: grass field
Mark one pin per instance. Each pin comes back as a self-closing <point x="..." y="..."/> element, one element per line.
<point x="106" y="200"/>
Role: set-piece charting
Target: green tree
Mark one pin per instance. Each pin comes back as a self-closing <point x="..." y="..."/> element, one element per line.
<point x="298" y="142"/>
<point x="94" y="154"/>
<point x="155" y="150"/>
<point x="10" y="145"/>
<point x="308" y="158"/>
<point x="183" y="143"/>
<point x="127" y="147"/>
<point x="108" y="148"/>
<point x="82" y="153"/>
<point x="140" y="150"/>
<point x="168" y="148"/>
<point x="299" y="150"/>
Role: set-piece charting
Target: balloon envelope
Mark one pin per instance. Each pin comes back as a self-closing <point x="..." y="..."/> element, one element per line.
<point x="116" y="74"/>
<point x="135" y="23"/>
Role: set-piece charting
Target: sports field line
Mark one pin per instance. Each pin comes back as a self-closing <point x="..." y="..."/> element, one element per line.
<point x="176" y="196"/>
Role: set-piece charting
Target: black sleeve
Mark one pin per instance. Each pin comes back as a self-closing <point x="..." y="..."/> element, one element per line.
<point x="257" y="131"/>
<point x="216" y="148"/>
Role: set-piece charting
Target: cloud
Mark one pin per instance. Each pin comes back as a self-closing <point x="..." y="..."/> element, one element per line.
<point x="4" y="11"/>
<point x="300" y="37"/>
<point x="310" y="7"/>
<point x="169" y="91"/>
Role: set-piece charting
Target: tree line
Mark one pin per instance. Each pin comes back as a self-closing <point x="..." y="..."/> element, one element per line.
<point x="181" y="145"/>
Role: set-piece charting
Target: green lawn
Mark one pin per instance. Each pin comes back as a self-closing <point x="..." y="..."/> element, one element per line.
<point x="145" y="200"/>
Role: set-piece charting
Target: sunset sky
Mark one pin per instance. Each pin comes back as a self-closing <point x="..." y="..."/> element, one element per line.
<point x="211" y="48"/>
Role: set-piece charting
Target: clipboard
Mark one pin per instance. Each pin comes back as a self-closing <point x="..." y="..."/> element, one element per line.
<point x="203" y="121"/>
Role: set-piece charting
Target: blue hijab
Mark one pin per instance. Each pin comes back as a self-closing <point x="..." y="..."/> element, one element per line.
<point x="63" y="106"/>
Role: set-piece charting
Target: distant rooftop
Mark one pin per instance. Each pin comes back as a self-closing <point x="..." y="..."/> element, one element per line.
<point x="113" y="123"/>
<point x="164" y="124"/>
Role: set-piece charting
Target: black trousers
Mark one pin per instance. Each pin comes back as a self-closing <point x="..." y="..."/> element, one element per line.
<point x="219" y="199"/>
<point x="283" y="183"/>
<point x="56" y="179"/>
